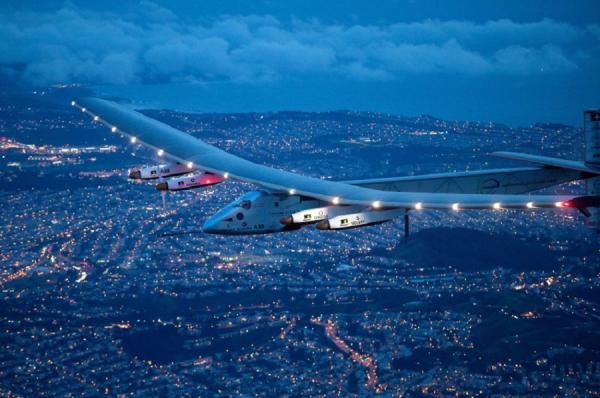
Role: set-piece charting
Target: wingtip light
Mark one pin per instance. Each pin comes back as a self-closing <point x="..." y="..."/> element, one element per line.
<point x="133" y="140"/>
<point x="113" y="129"/>
<point x="497" y="206"/>
<point x="529" y="205"/>
<point x="455" y="207"/>
<point x="190" y="165"/>
<point x="160" y="152"/>
<point x="336" y="201"/>
<point x="419" y="206"/>
<point x="376" y="204"/>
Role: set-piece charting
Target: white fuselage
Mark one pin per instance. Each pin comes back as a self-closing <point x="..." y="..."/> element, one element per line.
<point x="258" y="212"/>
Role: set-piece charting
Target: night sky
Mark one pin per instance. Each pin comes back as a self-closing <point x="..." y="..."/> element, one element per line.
<point x="508" y="61"/>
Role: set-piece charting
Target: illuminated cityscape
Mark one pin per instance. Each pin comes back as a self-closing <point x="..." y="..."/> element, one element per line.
<point x="136" y="261"/>
<point x="110" y="289"/>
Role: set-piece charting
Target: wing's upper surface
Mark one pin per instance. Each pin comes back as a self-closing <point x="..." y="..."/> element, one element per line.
<point x="183" y="147"/>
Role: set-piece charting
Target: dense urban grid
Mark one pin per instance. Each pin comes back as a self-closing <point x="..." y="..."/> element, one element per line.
<point x="110" y="289"/>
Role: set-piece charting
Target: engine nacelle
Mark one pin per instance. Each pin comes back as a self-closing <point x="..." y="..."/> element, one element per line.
<point x="362" y="219"/>
<point x="190" y="182"/>
<point x="258" y="212"/>
<point x="318" y="214"/>
<point x="160" y="171"/>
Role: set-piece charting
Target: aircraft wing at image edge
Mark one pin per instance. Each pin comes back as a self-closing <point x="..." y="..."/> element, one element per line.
<point x="195" y="154"/>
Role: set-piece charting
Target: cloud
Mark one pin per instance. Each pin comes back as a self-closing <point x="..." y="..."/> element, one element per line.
<point x="153" y="45"/>
<point x="189" y="58"/>
<point x="516" y="59"/>
<point x="406" y="58"/>
<point x="497" y="33"/>
<point x="595" y="31"/>
<point x="289" y="56"/>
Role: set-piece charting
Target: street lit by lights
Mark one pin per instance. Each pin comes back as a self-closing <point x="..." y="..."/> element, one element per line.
<point x="376" y="204"/>
<point x="336" y="201"/>
<point x="455" y="207"/>
<point x="497" y="206"/>
<point x="529" y="205"/>
<point x="419" y="206"/>
<point x="113" y="129"/>
<point x="133" y="140"/>
<point x="160" y="152"/>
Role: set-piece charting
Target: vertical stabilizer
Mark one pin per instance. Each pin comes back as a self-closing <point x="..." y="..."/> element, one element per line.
<point x="591" y="132"/>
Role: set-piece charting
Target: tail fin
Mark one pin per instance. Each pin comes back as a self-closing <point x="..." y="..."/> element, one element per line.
<point x="589" y="167"/>
<point x="591" y="131"/>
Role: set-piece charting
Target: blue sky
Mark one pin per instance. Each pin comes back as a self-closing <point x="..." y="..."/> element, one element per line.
<point x="509" y="61"/>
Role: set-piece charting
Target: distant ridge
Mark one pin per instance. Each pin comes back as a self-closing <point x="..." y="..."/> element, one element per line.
<point x="472" y="250"/>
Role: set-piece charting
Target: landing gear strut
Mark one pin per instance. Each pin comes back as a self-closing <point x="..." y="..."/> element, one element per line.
<point x="406" y="224"/>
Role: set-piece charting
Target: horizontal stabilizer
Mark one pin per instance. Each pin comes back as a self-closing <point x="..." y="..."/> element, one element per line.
<point x="548" y="161"/>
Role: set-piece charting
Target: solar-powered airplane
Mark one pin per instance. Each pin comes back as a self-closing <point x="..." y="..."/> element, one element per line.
<point x="287" y="201"/>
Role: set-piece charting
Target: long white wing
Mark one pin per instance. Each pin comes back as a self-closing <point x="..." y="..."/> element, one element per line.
<point x="182" y="147"/>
